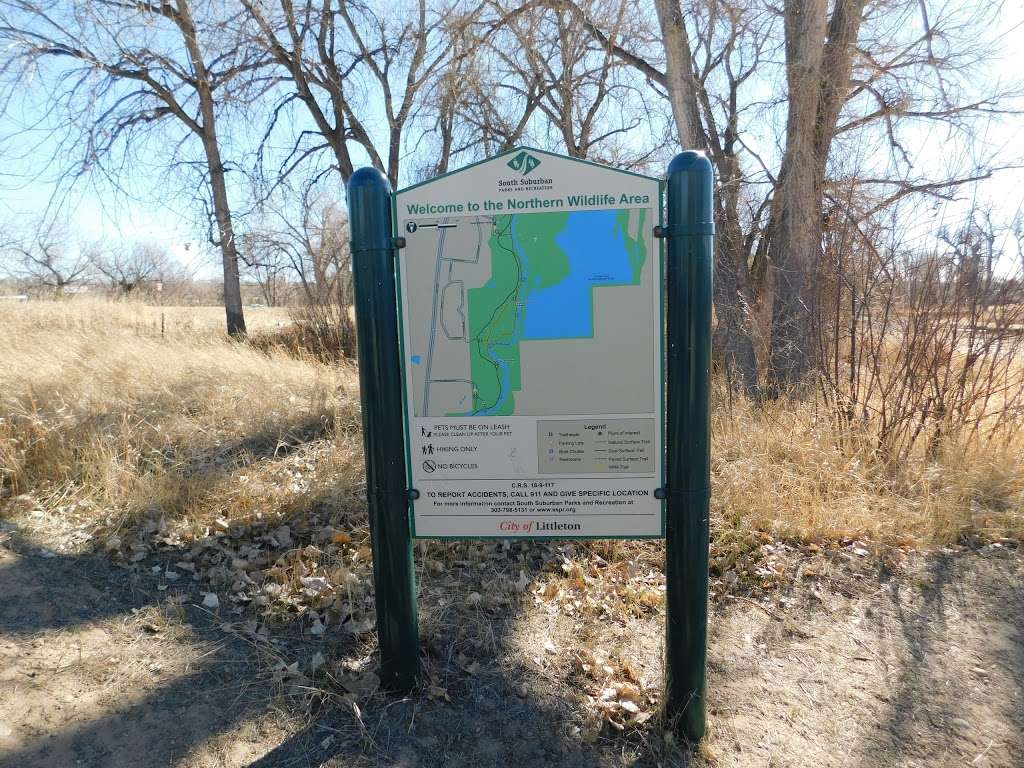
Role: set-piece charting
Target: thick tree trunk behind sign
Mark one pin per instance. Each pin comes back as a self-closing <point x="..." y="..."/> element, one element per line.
<point x="796" y="219"/>
<point x="733" y="298"/>
<point x="678" y="78"/>
<point x="819" y="57"/>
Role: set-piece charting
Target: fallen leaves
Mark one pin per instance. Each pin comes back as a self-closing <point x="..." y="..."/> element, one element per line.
<point x="438" y="693"/>
<point x="614" y="690"/>
<point x="283" y="671"/>
<point x="595" y="588"/>
<point x="624" y="705"/>
<point x="360" y="684"/>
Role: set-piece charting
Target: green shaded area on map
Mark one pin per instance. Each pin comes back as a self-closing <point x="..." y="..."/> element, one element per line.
<point x="634" y="246"/>
<point x="544" y="268"/>
<point x="493" y="312"/>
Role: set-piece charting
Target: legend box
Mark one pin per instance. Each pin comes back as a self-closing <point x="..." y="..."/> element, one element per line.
<point x="596" y="446"/>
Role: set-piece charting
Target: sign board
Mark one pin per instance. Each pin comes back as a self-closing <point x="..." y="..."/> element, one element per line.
<point x="530" y="301"/>
<point x="517" y="375"/>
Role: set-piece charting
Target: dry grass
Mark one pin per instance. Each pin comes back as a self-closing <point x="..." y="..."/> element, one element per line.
<point x="102" y="416"/>
<point x="779" y="469"/>
<point x="106" y="419"/>
<point x="83" y="313"/>
<point x="240" y="471"/>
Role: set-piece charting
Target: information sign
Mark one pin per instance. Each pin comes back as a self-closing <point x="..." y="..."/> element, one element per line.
<point x="531" y="325"/>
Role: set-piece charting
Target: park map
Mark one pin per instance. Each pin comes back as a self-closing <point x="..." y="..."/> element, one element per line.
<point x="521" y="300"/>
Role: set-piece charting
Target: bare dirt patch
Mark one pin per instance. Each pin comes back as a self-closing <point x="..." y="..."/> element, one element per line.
<point x="922" y="667"/>
<point x="96" y="669"/>
<point x="874" y="659"/>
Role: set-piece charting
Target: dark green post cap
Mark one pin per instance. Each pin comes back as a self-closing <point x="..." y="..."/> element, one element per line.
<point x="369" y="203"/>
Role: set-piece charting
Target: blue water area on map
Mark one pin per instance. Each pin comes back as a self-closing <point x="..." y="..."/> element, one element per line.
<point x="598" y="255"/>
<point x="596" y="246"/>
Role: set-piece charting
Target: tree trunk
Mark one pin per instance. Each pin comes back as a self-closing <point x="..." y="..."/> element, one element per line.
<point x="226" y="234"/>
<point x="796" y="212"/>
<point x="818" y="66"/>
<point x="218" y="184"/>
<point x="679" y="81"/>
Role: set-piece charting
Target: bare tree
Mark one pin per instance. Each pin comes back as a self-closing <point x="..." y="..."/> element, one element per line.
<point x="711" y="50"/>
<point x="536" y="75"/>
<point x="43" y="260"/>
<point x="129" y="270"/>
<point x="856" y="72"/>
<point x="972" y="252"/>
<point x="308" y="240"/>
<point x="440" y="133"/>
<point x="116" y="70"/>
<point x="303" y="248"/>
<point x="819" y="57"/>
<point x="266" y="262"/>
<point x="487" y="98"/>
<point x="335" y="53"/>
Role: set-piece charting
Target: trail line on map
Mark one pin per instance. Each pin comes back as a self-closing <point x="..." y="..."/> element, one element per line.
<point x="496" y="314"/>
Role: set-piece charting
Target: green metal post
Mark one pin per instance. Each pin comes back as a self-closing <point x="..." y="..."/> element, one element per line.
<point x="690" y="234"/>
<point x="380" y="386"/>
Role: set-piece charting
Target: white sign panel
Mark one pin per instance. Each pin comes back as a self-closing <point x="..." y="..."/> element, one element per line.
<point x="531" y="336"/>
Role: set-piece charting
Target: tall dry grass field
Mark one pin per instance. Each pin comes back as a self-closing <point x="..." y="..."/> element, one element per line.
<point x="111" y="423"/>
<point x="783" y="468"/>
<point x="108" y="420"/>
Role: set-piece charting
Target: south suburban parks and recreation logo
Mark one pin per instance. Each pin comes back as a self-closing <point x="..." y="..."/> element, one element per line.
<point x="524" y="162"/>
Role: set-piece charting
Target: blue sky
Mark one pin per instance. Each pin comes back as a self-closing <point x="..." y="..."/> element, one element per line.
<point x="154" y="206"/>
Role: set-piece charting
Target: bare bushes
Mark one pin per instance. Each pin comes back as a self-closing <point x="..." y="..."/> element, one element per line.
<point x="916" y="434"/>
<point x="922" y="352"/>
<point x="322" y="329"/>
<point x="785" y="468"/>
<point x="327" y="328"/>
<point x="322" y="332"/>
<point x="314" y="253"/>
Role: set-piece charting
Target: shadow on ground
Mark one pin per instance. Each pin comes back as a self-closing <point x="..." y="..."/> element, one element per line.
<point x="960" y="625"/>
<point x="201" y="714"/>
<point x="922" y="669"/>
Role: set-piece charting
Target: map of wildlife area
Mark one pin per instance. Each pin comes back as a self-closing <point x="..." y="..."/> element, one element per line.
<point x="532" y="314"/>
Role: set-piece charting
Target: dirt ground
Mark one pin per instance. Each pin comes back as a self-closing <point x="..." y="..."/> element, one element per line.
<point x="858" y="659"/>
